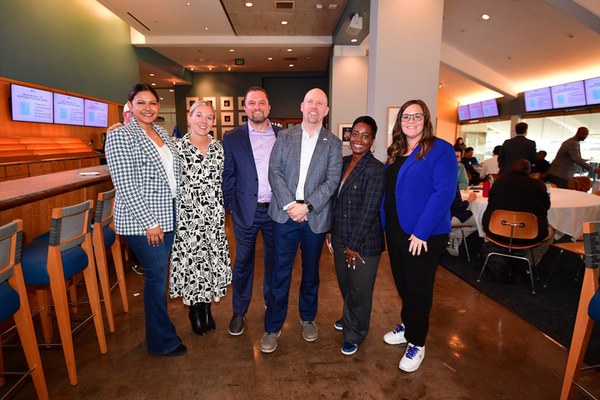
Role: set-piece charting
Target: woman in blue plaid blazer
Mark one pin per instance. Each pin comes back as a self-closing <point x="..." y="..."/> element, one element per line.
<point x="144" y="167"/>
<point x="356" y="235"/>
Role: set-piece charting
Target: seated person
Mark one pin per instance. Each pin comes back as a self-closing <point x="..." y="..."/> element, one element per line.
<point x="461" y="215"/>
<point x="463" y="180"/>
<point x="490" y="166"/>
<point x="517" y="191"/>
<point x="474" y="176"/>
<point x="470" y="158"/>
<point x="541" y="165"/>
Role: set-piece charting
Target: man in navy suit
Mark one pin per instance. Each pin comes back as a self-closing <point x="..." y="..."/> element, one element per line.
<point x="304" y="172"/>
<point x="247" y="196"/>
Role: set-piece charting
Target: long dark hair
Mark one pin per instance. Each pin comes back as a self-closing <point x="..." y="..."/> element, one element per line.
<point x="141" y="87"/>
<point x="399" y="144"/>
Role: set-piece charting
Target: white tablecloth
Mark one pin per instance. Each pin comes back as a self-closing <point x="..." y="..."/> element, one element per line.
<point x="569" y="209"/>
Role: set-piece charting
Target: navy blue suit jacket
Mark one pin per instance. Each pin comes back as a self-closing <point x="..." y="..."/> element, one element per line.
<point x="240" y="179"/>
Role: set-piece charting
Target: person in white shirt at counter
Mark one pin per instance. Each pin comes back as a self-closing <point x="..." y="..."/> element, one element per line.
<point x="490" y="166"/>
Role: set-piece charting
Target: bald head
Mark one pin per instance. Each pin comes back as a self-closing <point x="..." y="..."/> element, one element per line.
<point x="314" y="108"/>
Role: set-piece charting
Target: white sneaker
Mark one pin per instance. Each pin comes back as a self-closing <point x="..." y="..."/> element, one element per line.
<point x="396" y="336"/>
<point x="412" y="359"/>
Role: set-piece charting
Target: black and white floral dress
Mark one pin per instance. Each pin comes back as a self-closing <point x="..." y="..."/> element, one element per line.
<point x="200" y="263"/>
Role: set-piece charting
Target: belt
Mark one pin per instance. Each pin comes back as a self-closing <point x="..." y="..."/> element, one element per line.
<point x="264" y="205"/>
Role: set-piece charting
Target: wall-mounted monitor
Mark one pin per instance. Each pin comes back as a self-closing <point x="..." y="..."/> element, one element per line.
<point x="592" y="90"/>
<point x="68" y="110"/>
<point x="96" y="114"/>
<point x="490" y="108"/>
<point x="538" y="100"/>
<point x="30" y="105"/>
<point x="463" y="113"/>
<point x="475" y="110"/>
<point x="568" y="95"/>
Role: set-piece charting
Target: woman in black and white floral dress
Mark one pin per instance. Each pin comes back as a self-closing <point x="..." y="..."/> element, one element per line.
<point x="200" y="263"/>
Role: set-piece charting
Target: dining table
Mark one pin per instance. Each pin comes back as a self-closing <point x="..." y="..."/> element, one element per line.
<point x="569" y="209"/>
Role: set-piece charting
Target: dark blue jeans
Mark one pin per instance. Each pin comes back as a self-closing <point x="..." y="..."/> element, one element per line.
<point x="161" y="337"/>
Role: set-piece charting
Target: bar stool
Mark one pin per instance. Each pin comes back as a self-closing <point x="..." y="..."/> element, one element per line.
<point x="14" y="302"/>
<point x="50" y="260"/>
<point x="104" y="237"/>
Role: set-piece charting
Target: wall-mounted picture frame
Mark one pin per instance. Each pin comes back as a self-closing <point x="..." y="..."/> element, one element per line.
<point x="189" y="101"/>
<point x="241" y="103"/>
<point x="392" y="114"/>
<point x="226" y="103"/>
<point x="212" y="100"/>
<point x="344" y="130"/>
<point x="227" y="118"/>
<point x="242" y="118"/>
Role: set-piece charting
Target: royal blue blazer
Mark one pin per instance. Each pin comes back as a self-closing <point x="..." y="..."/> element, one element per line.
<point x="425" y="190"/>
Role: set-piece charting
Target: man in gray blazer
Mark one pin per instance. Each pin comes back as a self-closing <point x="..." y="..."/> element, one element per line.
<point x="304" y="172"/>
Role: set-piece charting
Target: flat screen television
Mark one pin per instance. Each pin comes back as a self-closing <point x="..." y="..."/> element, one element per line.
<point x="68" y="110"/>
<point x="463" y="113"/>
<point x="490" y="108"/>
<point x="538" y="99"/>
<point x="30" y="105"/>
<point x="96" y="114"/>
<point x="592" y="90"/>
<point x="475" y="110"/>
<point x="568" y="95"/>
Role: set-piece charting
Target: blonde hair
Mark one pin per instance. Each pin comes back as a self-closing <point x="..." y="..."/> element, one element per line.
<point x="201" y="103"/>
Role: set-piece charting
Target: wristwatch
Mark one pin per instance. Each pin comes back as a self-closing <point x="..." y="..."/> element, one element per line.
<point x="310" y="207"/>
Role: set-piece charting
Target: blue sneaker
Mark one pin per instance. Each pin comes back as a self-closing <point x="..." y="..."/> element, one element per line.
<point x="396" y="336"/>
<point x="412" y="359"/>
<point x="338" y="325"/>
<point x="349" y="347"/>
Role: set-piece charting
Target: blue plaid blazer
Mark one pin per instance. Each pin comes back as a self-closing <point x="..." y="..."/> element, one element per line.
<point x="356" y="206"/>
<point x="143" y="197"/>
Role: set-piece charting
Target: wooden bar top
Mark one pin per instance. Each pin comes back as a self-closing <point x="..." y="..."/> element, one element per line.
<point x="21" y="191"/>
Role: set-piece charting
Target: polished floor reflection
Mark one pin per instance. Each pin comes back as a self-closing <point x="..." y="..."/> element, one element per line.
<point x="476" y="350"/>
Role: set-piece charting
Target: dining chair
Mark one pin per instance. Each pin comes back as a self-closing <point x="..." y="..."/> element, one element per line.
<point x="571" y="247"/>
<point x="14" y="302"/>
<point x="588" y="311"/>
<point x="511" y="225"/>
<point x="462" y="228"/>
<point x="104" y="237"/>
<point x="52" y="259"/>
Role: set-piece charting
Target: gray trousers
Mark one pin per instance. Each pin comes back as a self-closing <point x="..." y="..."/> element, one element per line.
<point x="356" y="286"/>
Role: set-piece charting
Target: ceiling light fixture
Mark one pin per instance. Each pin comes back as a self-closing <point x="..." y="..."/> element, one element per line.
<point x="210" y="68"/>
<point x="188" y="3"/>
<point x="231" y="50"/>
<point x="333" y="6"/>
<point x="284" y="22"/>
<point x="151" y="74"/>
<point x="485" y="17"/>
<point x="270" y="58"/>
<point x="228" y="68"/>
<point x="291" y="65"/>
<point x="318" y="6"/>
<point x="153" y="84"/>
<point x="289" y="50"/>
<point x="248" y="4"/>
<point x="354" y="40"/>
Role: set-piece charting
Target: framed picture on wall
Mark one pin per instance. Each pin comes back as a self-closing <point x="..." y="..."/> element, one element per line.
<point x="344" y="130"/>
<point x="211" y="100"/>
<point x="189" y="101"/>
<point x="226" y="103"/>
<point x="242" y="118"/>
<point x="392" y="114"/>
<point x="226" y="118"/>
<point x="240" y="103"/>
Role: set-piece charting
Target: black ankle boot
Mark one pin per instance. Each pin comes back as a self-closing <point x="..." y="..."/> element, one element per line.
<point x="197" y="316"/>
<point x="210" y="322"/>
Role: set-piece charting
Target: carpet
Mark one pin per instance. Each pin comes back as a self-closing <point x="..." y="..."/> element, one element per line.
<point x="552" y="310"/>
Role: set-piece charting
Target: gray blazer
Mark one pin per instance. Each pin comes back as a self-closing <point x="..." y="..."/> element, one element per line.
<point x="322" y="180"/>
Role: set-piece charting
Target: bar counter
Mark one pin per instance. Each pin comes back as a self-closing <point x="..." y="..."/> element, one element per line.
<point x="33" y="198"/>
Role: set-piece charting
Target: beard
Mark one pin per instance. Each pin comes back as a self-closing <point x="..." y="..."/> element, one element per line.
<point x="258" y="118"/>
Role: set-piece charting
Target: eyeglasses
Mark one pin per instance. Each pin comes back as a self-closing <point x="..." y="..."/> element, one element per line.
<point x="416" y="116"/>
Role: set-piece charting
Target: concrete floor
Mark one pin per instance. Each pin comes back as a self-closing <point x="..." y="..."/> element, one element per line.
<point x="476" y="350"/>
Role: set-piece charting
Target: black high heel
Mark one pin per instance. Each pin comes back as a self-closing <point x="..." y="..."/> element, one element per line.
<point x="197" y="315"/>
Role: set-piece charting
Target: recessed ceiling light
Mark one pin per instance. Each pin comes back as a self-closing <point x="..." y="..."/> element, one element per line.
<point x="248" y="4"/>
<point x="192" y="68"/>
<point x="354" y="40"/>
<point x="153" y="84"/>
<point x="188" y="3"/>
<point x="291" y="65"/>
<point x="162" y="98"/>
<point x="171" y="90"/>
<point x="284" y="22"/>
<point x="332" y="6"/>
<point x="485" y="17"/>
<point x="231" y="50"/>
<point x="151" y="74"/>
<point x="270" y="58"/>
<point x="318" y="6"/>
<point x="289" y="49"/>
<point x="228" y="68"/>
<point x="210" y="68"/>
<point x="206" y="28"/>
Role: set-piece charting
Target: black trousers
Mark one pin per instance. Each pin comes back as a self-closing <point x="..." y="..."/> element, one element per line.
<point x="414" y="277"/>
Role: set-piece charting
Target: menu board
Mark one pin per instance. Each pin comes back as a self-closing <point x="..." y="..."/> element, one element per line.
<point x="538" y="99"/>
<point x="475" y="110"/>
<point x="68" y="109"/>
<point x="568" y="95"/>
<point x="96" y="113"/>
<point x="592" y="91"/>
<point x="30" y="105"/>
<point x="490" y="108"/>
<point x="463" y="113"/>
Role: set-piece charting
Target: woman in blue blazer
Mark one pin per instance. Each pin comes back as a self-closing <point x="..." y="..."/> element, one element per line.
<point x="144" y="167"/>
<point x="356" y="234"/>
<point x="421" y="183"/>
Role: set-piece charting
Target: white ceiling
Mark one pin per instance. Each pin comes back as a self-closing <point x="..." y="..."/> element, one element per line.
<point x="525" y="44"/>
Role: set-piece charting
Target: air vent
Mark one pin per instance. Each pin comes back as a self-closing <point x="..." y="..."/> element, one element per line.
<point x="284" y="5"/>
